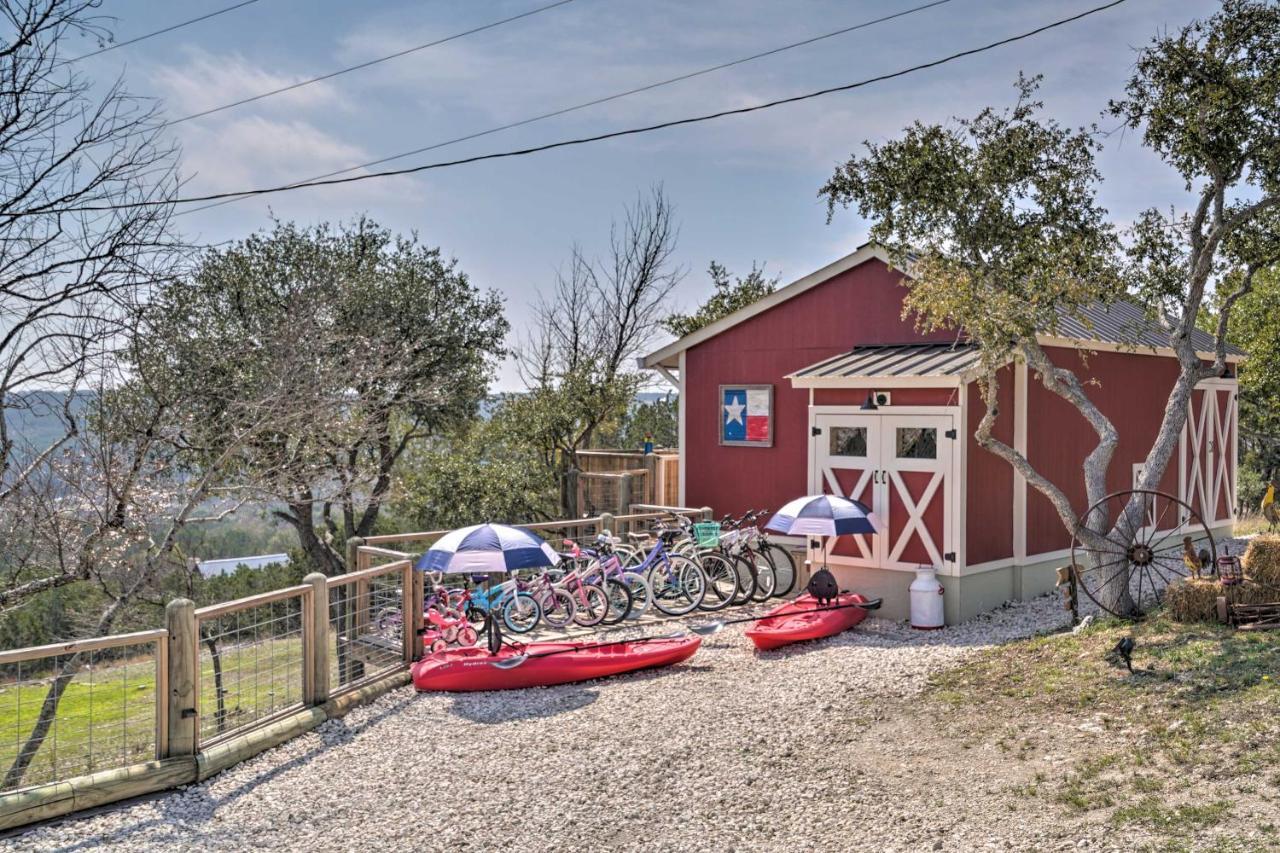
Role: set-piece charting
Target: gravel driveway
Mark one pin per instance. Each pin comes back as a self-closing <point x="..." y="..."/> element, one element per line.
<point x="732" y="750"/>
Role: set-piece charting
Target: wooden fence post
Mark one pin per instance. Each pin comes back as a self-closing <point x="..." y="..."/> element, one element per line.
<point x="412" y="588"/>
<point x="317" y="652"/>
<point x="624" y="494"/>
<point x="353" y="553"/>
<point x="652" y="486"/>
<point x="606" y="524"/>
<point x="708" y="514"/>
<point x="183" y="678"/>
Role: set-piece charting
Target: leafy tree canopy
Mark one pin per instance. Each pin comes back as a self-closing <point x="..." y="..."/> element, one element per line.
<point x="339" y="347"/>
<point x="731" y="293"/>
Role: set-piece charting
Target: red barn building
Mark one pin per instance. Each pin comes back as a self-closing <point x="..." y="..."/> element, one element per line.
<point x="773" y="406"/>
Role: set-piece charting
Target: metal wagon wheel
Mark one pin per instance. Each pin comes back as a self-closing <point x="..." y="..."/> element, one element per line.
<point x="1127" y="579"/>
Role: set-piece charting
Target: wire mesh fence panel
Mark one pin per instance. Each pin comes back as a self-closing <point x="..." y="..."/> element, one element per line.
<point x="366" y="626"/>
<point x="79" y="710"/>
<point x="252" y="664"/>
<point x="599" y="492"/>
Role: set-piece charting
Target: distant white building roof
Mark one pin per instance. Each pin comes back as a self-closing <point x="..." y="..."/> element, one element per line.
<point x="226" y="565"/>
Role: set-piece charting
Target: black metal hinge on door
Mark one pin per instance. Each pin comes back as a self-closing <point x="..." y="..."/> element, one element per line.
<point x="815" y="430"/>
<point x="950" y="556"/>
<point x="950" y="433"/>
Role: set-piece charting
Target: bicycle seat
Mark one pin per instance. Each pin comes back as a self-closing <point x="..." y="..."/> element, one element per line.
<point x="637" y="537"/>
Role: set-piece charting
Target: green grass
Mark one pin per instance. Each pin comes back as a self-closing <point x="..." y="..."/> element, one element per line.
<point x="1170" y="746"/>
<point x="107" y="716"/>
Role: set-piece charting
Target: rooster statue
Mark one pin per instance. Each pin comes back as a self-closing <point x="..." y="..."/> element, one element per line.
<point x="1190" y="558"/>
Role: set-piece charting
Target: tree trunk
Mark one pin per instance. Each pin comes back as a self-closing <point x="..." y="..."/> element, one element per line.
<point x="48" y="713"/>
<point x="220" y="716"/>
<point x="49" y="708"/>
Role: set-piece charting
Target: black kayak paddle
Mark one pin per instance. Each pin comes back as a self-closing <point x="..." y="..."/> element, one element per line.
<point x="716" y="627"/>
<point x="519" y="660"/>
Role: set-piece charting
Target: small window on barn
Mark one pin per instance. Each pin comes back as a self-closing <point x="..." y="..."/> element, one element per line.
<point x="849" y="441"/>
<point x="917" y="443"/>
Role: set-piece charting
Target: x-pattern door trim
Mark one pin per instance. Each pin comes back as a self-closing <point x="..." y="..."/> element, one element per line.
<point x="915" y="516"/>
<point x="867" y="549"/>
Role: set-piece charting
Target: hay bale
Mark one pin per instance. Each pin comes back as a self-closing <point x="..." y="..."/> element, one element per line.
<point x="1193" y="599"/>
<point x="1261" y="562"/>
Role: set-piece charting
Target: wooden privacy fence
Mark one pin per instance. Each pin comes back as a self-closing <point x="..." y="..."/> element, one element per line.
<point x="613" y="480"/>
<point x="142" y="712"/>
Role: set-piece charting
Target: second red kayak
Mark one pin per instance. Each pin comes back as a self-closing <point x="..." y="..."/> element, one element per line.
<point x="469" y="669"/>
<point x="806" y="619"/>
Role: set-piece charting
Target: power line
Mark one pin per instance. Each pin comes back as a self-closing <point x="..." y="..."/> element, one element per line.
<point x="163" y="31"/>
<point x="367" y="64"/>
<point x="606" y="99"/>
<point x="582" y="140"/>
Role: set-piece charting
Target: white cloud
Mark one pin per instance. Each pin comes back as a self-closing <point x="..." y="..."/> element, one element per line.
<point x="206" y="80"/>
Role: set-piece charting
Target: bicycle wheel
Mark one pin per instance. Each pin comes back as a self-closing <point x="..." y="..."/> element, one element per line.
<point x="746" y="578"/>
<point x="765" y="581"/>
<point x="591" y="605"/>
<point x="468" y="636"/>
<point x="619" y="596"/>
<point x="478" y="618"/>
<point x="558" y="607"/>
<point x="679" y="587"/>
<point x="641" y="593"/>
<point x="722" y="582"/>
<point x="521" y="613"/>
<point x="784" y="568"/>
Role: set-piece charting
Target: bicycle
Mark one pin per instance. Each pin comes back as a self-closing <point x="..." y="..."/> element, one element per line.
<point x="723" y="584"/>
<point x="519" y="609"/>
<point x="741" y="543"/>
<point x="604" y="566"/>
<point x="678" y="583"/>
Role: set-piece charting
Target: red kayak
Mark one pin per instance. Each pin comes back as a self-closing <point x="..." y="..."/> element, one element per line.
<point x="796" y="620"/>
<point x="472" y="668"/>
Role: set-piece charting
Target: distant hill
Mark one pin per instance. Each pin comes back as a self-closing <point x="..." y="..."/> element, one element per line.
<point x="37" y="422"/>
<point x="490" y="404"/>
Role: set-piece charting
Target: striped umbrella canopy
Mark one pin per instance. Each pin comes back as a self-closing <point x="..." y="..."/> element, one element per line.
<point x="489" y="549"/>
<point x="824" y="515"/>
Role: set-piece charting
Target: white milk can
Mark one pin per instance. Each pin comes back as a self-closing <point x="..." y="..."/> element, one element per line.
<point x="926" y="600"/>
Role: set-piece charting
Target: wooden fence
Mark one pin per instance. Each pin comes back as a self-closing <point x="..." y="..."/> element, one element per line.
<point x="152" y="710"/>
<point x="612" y="480"/>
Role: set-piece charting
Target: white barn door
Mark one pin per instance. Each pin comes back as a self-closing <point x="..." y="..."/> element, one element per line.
<point x="1207" y="453"/>
<point x="900" y="466"/>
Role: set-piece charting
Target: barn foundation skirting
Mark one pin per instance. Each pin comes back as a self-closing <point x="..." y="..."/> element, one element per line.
<point x="976" y="591"/>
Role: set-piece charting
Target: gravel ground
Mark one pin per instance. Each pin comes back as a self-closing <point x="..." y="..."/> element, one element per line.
<point x="733" y="750"/>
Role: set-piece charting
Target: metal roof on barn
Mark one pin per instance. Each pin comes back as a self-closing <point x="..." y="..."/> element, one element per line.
<point x="895" y="360"/>
<point x="1126" y="324"/>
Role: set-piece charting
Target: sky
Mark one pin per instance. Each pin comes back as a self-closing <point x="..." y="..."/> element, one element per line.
<point x="744" y="188"/>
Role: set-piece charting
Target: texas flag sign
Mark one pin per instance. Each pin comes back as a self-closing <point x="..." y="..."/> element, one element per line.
<point x="746" y="415"/>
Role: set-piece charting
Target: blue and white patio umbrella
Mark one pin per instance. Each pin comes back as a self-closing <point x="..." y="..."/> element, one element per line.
<point x="487" y="549"/>
<point x="824" y="515"/>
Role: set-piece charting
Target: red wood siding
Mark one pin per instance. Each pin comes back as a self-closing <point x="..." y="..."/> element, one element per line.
<point x="1132" y="391"/>
<point x="988" y="494"/>
<point x="857" y="307"/>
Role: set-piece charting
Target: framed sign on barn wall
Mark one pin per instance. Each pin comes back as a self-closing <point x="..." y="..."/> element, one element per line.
<point x="746" y="415"/>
